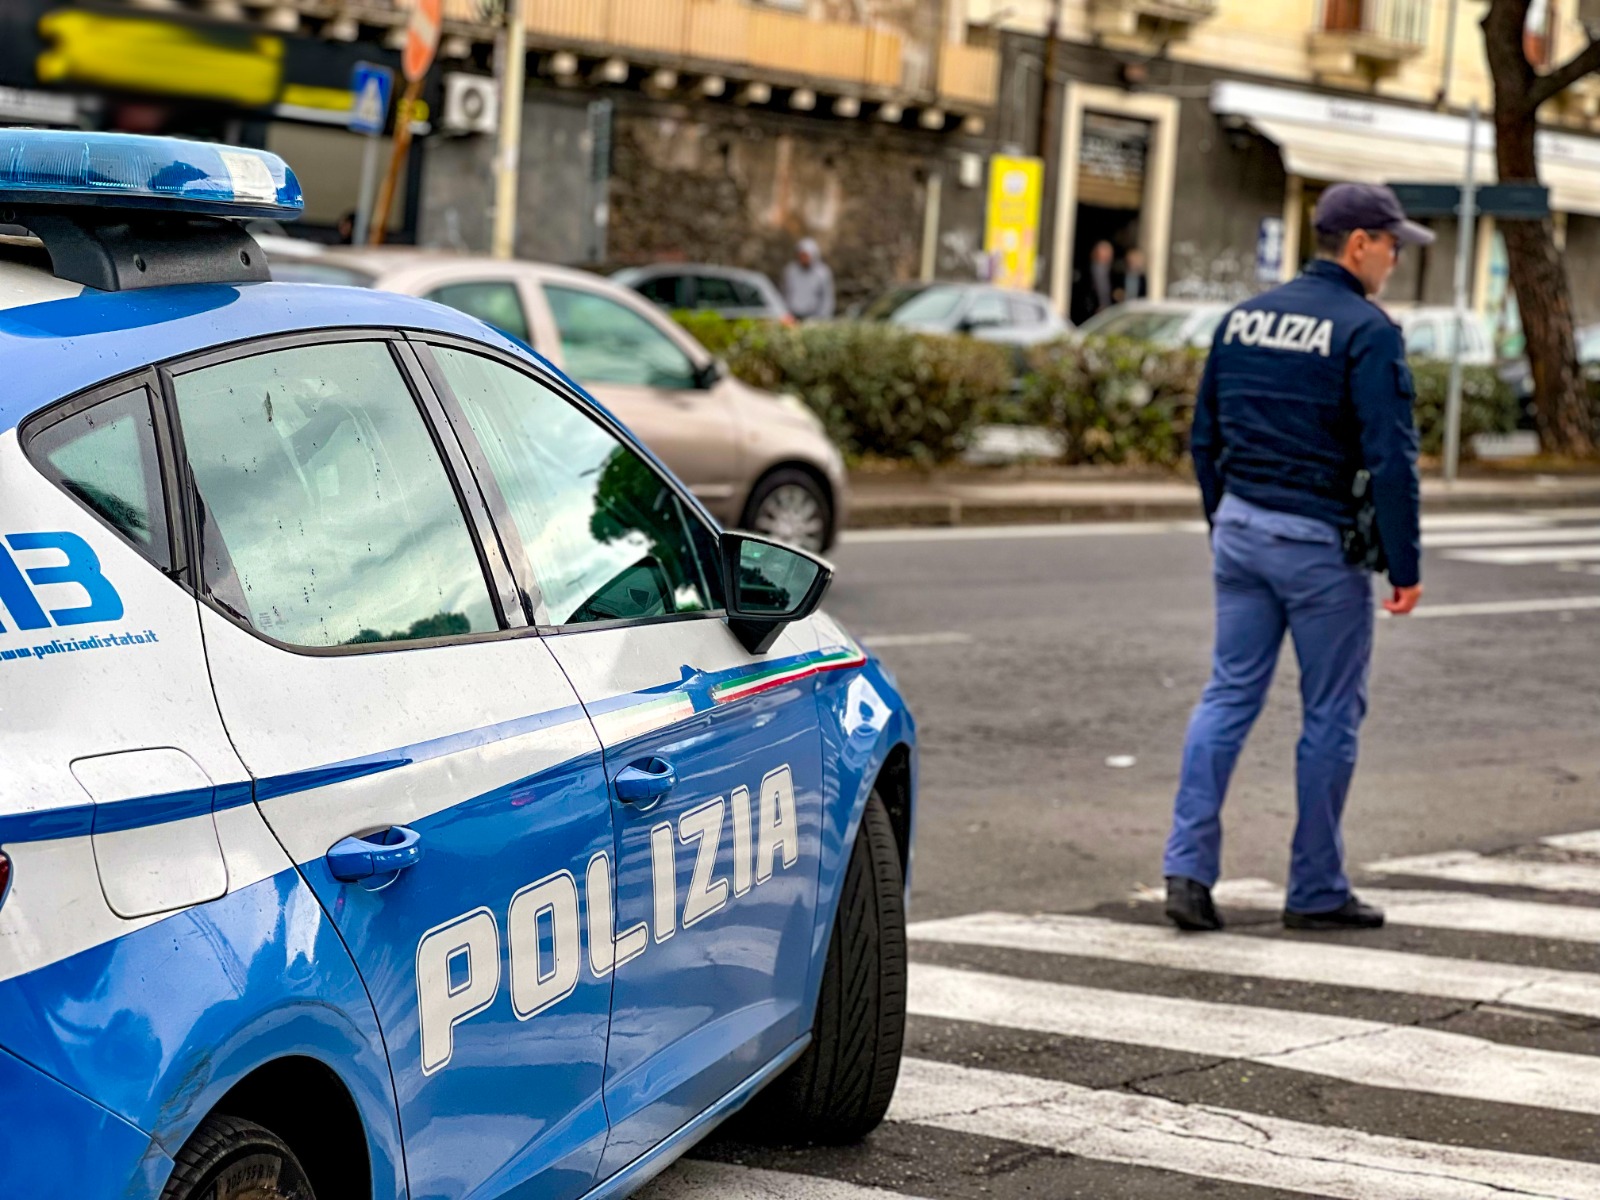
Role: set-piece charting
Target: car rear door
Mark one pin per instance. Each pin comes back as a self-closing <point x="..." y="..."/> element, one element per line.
<point x="414" y="746"/>
<point x="625" y="353"/>
<point x="714" y="753"/>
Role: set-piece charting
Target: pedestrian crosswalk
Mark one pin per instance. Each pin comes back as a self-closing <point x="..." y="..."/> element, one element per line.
<point x="1454" y="1055"/>
<point x="1544" y="541"/>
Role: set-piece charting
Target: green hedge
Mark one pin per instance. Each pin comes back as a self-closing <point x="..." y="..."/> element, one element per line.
<point x="880" y="391"/>
<point x="1114" y="401"/>
<point x="883" y="392"/>
<point x="1488" y="405"/>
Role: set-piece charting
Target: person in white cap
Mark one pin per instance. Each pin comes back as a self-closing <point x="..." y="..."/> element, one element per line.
<point x="808" y="284"/>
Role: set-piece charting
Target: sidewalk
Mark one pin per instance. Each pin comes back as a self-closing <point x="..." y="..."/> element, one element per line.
<point x="1013" y="497"/>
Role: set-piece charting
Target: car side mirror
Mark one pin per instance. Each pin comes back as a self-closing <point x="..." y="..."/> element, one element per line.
<point x="767" y="585"/>
<point x="711" y="374"/>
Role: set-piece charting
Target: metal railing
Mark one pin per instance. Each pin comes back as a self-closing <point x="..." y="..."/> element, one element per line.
<point x="1403" y="22"/>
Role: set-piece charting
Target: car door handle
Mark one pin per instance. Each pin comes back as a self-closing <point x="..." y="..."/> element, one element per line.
<point x="646" y="781"/>
<point x="387" y="852"/>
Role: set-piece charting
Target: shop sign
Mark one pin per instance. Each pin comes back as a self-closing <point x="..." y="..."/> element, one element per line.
<point x="1016" y="189"/>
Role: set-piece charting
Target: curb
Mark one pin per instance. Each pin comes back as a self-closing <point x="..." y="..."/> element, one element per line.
<point x="890" y="513"/>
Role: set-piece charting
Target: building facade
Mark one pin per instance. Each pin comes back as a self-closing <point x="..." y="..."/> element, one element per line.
<point x="1203" y="131"/>
<point x="719" y="130"/>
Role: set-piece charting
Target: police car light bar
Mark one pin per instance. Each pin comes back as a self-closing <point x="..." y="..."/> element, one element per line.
<point x="118" y="170"/>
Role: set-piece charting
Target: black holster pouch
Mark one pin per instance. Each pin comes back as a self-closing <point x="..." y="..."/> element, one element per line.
<point x="1362" y="545"/>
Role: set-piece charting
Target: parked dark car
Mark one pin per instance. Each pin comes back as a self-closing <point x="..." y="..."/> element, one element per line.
<point x="729" y="292"/>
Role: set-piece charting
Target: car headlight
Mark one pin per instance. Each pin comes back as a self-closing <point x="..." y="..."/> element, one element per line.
<point x="800" y="408"/>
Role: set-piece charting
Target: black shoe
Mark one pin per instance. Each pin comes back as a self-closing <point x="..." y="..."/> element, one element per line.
<point x="1189" y="905"/>
<point x="1352" y="914"/>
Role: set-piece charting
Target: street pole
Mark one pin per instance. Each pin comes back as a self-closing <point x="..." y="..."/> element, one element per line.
<point x="369" y="177"/>
<point x="397" y="161"/>
<point x="508" y="151"/>
<point x="1469" y="213"/>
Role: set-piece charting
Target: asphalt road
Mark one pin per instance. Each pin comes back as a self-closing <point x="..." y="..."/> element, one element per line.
<point x="1482" y="730"/>
<point x="1455" y="1054"/>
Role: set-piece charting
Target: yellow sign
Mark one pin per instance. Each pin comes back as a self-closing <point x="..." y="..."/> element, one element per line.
<point x="1016" y="191"/>
<point x="163" y="58"/>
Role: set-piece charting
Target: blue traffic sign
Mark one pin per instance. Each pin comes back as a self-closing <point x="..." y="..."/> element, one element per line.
<point x="370" y="87"/>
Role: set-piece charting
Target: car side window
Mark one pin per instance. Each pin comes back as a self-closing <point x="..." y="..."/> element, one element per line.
<point x="327" y="517"/>
<point x="106" y="457"/>
<point x="987" y="309"/>
<point x="747" y="295"/>
<point x="665" y="290"/>
<point x="1421" y="340"/>
<point x="606" y="536"/>
<point x="606" y="342"/>
<point x="493" y="301"/>
<point x="714" y="291"/>
<point x="1024" y="312"/>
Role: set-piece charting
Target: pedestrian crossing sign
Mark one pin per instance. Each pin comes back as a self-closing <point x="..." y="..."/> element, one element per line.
<point x="370" y="87"/>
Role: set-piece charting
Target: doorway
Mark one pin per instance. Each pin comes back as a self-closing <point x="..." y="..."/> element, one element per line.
<point x="1118" y="156"/>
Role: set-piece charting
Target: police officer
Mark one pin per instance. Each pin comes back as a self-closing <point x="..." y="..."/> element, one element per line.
<point x="1306" y="388"/>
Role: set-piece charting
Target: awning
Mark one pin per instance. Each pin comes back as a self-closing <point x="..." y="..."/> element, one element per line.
<point x="1335" y="140"/>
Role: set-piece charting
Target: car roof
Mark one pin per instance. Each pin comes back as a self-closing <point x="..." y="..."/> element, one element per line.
<point x="69" y="343"/>
<point x="384" y="260"/>
<point x="651" y="270"/>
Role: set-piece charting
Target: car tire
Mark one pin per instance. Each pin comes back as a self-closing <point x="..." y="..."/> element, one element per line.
<point x="791" y="505"/>
<point x="231" y="1159"/>
<point x="840" y="1088"/>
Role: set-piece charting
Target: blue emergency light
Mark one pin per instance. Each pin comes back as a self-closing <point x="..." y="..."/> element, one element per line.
<point x="129" y="171"/>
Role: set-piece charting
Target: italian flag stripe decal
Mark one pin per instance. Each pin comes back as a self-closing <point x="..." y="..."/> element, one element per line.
<point x="774" y="677"/>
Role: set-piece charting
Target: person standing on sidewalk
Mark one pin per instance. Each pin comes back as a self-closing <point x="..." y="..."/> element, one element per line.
<point x="1303" y="421"/>
<point x="808" y="284"/>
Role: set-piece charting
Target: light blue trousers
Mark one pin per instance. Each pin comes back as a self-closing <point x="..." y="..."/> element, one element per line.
<point x="1276" y="572"/>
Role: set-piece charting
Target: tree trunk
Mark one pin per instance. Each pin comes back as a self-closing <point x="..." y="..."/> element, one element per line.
<point x="1566" y="425"/>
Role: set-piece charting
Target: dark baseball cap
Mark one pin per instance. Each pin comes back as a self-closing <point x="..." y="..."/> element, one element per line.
<point x="1347" y="207"/>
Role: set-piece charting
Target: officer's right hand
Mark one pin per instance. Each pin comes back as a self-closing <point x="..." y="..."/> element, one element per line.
<point x="1403" y="601"/>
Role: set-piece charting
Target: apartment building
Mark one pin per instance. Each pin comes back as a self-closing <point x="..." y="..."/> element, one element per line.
<point x="1202" y="131"/>
<point x="724" y="130"/>
<point x="692" y="129"/>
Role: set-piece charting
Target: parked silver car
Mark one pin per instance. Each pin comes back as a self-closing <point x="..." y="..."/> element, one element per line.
<point x="990" y="314"/>
<point x="758" y="461"/>
<point x="1169" y="323"/>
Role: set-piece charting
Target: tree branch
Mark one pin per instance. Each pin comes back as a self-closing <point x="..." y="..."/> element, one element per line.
<point x="1568" y="73"/>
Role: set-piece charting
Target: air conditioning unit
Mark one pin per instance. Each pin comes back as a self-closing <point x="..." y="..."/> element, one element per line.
<point x="471" y="104"/>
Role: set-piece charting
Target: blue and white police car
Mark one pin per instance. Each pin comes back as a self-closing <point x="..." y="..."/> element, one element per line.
<point x="405" y="789"/>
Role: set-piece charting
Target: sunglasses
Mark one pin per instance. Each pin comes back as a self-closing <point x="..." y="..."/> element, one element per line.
<point x="1395" y="245"/>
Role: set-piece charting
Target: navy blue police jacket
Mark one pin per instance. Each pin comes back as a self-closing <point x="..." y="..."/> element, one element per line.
<point x="1306" y="385"/>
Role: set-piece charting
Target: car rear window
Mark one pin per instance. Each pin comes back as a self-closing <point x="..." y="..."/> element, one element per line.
<point x="106" y="457"/>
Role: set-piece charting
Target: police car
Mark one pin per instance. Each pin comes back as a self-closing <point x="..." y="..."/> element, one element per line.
<point x="405" y="788"/>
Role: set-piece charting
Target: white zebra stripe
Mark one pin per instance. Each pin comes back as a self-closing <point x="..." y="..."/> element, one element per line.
<point x="1527" y="557"/>
<point x="1464" y="912"/>
<point x="1465" y="866"/>
<point x="1587" y="842"/>
<point x="1275" y="958"/>
<point x="1549" y="535"/>
<point x="1371" y="1053"/>
<point x="704" y="1180"/>
<point x="1216" y="1143"/>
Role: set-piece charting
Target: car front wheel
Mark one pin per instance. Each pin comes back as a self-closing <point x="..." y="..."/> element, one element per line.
<point x="231" y="1159"/>
<point x="790" y="505"/>
<point x="840" y="1088"/>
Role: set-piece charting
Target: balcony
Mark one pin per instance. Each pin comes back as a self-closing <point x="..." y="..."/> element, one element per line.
<point x="1144" y="25"/>
<point x="969" y="76"/>
<point x="1367" y="38"/>
<point x="721" y="34"/>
